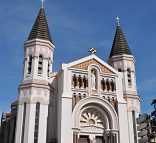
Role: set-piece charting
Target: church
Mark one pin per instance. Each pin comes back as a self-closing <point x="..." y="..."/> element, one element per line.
<point x="87" y="101"/>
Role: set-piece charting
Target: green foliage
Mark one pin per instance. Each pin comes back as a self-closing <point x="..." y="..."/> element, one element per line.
<point x="153" y="119"/>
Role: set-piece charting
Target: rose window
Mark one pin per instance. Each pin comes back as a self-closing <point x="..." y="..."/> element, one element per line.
<point x="91" y="118"/>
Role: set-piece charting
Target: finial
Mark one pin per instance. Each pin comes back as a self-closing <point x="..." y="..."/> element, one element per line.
<point x="92" y="50"/>
<point x="42" y="1"/>
<point x="118" y="21"/>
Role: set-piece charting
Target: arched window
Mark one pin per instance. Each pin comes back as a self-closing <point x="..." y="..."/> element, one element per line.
<point x="23" y="124"/>
<point x="113" y="102"/>
<point x="29" y="64"/>
<point x="107" y="85"/>
<point x="40" y="64"/>
<point x="48" y="69"/>
<point x="134" y="126"/>
<point x="79" y="81"/>
<point x="85" y="82"/>
<point x="79" y="97"/>
<point x="73" y="100"/>
<point x="74" y="81"/>
<point x="119" y="69"/>
<point x="129" y="77"/>
<point x="108" y="98"/>
<point x="37" y="114"/>
<point x="103" y="84"/>
<point x="112" y="85"/>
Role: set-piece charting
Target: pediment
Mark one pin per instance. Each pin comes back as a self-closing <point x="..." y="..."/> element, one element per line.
<point x="84" y="66"/>
<point x="84" y="63"/>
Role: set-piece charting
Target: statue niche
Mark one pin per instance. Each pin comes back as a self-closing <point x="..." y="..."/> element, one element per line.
<point x="93" y="79"/>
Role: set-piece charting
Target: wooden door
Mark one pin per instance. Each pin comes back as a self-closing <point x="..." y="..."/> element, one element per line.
<point x="100" y="140"/>
<point x="84" y="139"/>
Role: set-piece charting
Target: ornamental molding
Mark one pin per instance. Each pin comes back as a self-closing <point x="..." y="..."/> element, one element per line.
<point x="92" y="129"/>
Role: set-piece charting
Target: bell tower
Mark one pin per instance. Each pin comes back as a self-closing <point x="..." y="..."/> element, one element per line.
<point x="122" y="59"/>
<point x="35" y="90"/>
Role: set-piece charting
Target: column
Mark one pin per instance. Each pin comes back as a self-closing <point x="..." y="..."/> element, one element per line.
<point x="82" y="82"/>
<point x="75" y="138"/>
<point x="45" y="68"/>
<point x="77" y="81"/>
<point x="111" y="137"/>
<point x="73" y="81"/>
<point x="117" y="137"/>
<point x="114" y="138"/>
<point x="105" y="137"/>
<point x="108" y="138"/>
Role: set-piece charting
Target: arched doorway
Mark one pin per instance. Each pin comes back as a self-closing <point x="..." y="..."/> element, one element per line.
<point x="94" y="121"/>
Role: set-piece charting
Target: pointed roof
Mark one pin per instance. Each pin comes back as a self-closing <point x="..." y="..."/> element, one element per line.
<point x="120" y="45"/>
<point x="40" y="29"/>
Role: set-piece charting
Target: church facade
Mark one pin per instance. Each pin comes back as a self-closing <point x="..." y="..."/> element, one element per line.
<point x="86" y="101"/>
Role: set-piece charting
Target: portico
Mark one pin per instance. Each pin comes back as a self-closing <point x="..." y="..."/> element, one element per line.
<point x="94" y="121"/>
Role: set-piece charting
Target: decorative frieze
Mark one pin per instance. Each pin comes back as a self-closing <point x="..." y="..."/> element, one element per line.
<point x="34" y="94"/>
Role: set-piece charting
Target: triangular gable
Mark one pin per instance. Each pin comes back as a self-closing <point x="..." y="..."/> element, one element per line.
<point x="92" y="59"/>
<point x="84" y="65"/>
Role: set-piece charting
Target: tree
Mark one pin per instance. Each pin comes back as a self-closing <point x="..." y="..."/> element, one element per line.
<point x="153" y="114"/>
<point x="153" y="119"/>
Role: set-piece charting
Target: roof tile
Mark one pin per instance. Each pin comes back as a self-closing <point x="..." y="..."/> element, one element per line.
<point x="40" y="29"/>
<point x="120" y="45"/>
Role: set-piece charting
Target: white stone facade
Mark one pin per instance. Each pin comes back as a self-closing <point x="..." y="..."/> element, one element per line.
<point x="86" y="101"/>
<point x="71" y="111"/>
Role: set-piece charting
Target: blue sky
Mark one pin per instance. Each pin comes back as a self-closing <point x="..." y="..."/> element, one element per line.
<point x="75" y="26"/>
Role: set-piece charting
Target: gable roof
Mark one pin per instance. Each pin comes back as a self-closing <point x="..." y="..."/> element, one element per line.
<point x="92" y="59"/>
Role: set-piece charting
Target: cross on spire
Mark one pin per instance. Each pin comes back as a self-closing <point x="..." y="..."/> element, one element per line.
<point x="118" y="20"/>
<point x="92" y="50"/>
<point x="42" y="1"/>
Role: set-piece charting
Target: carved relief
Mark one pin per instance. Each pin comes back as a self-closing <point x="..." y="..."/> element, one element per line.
<point x="34" y="95"/>
<point x="84" y="65"/>
<point x="91" y="118"/>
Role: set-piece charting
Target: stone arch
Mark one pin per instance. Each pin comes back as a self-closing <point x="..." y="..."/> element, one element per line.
<point x="133" y="108"/>
<point x="40" y="100"/>
<point x="24" y="100"/>
<point x="101" y="105"/>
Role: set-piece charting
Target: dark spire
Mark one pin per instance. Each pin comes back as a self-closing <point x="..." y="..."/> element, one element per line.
<point x="120" y="45"/>
<point x="40" y="29"/>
